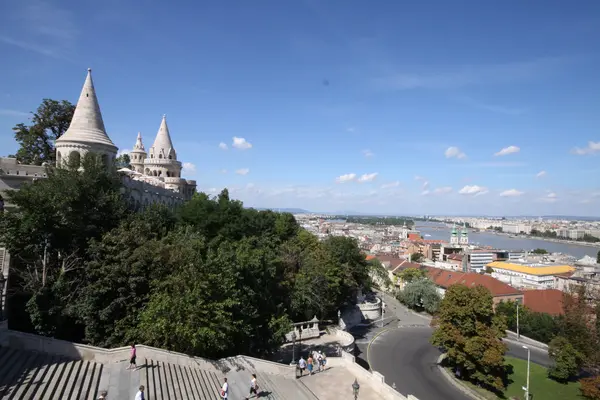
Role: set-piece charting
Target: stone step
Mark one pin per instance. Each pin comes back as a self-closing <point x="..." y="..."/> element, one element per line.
<point x="26" y="375"/>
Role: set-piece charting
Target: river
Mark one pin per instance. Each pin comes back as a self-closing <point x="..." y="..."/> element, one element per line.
<point x="441" y="232"/>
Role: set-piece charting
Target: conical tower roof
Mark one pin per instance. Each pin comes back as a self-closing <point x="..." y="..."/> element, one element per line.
<point x="139" y="145"/>
<point x="87" y="125"/>
<point x="163" y="140"/>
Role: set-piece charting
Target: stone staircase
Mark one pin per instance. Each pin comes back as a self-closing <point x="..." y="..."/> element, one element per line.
<point x="164" y="381"/>
<point x="26" y="375"/>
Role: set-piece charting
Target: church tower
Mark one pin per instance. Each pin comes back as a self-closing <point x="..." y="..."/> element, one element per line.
<point x="464" y="236"/>
<point x="161" y="160"/>
<point x="138" y="155"/>
<point x="86" y="133"/>
<point x="404" y="232"/>
<point x="454" y="236"/>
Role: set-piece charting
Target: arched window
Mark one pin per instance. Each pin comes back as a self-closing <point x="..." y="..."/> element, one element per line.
<point x="160" y="156"/>
<point x="148" y="171"/>
<point x="170" y="157"/>
<point x="168" y="174"/>
<point x="58" y="158"/>
<point x="74" y="159"/>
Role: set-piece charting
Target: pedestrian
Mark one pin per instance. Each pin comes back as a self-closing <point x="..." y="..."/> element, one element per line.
<point x="225" y="389"/>
<point x="302" y="365"/>
<point x="102" y="395"/>
<point x="323" y="360"/>
<point x="253" y="387"/>
<point x="140" y="394"/>
<point x="132" y="357"/>
<point x="309" y="364"/>
<point x="320" y="360"/>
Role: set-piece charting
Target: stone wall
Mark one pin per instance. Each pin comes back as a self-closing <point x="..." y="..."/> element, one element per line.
<point x="345" y="339"/>
<point x="304" y="330"/>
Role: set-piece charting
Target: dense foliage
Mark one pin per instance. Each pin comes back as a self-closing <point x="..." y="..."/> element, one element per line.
<point x="470" y="333"/>
<point x="48" y="123"/>
<point x="538" y="326"/>
<point x="420" y="294"/>
<point x="210" y="278"/>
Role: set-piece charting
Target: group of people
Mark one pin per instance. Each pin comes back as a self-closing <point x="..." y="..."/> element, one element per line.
<point x="224" y="391"/>
<point x="316" y="361"/>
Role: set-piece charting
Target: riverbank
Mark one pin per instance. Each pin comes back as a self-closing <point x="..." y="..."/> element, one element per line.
<point x="545" y="239"/>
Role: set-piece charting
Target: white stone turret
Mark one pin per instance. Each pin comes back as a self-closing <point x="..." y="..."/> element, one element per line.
<point x="161" y="160"/>
<point x="86" y="132"/>
<point x="138" y="155"/>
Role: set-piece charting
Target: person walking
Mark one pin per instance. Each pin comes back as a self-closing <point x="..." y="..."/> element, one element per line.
<point x="324" y="360"/>
<point x="140" y="394"/>
<point x="132" y="357"/>
<point x="225" y="389"/>
<point x="309" y="364"/>
<point x="302" y="365"/>
<point x="253" y="387"/>
<point x="320" y="360"/>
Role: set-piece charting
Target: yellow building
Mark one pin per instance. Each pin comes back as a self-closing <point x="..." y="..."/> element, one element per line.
<point x="528" y="275"/>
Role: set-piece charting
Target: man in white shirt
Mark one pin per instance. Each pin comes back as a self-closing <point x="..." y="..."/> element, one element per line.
<point x="302" y="365"/>
<point x="224" y="389"/>
<point x="140" y="394"/>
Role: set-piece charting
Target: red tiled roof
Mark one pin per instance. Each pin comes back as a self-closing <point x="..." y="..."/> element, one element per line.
<point x="447" y="278"/>
<point x="549" y="301"/>
<point x="457" y="257"/>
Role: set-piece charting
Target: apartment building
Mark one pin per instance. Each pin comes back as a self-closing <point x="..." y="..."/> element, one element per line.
<point x="529" y="275"/>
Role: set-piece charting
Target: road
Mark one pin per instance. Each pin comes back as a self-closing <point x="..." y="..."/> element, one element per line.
<point x="403" y="354"/>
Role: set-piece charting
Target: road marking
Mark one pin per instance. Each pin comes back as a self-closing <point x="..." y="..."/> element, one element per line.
<point x="371" y="342"/>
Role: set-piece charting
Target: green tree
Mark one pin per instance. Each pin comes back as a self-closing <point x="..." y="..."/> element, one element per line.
<point x="416" y="257"/>
<point x="421" y="295"/>
<point x="598" y="257"/>
<point x="379" y="275"/>
<point x="540" y="251"/>
<point x="48" y="123"/>
<point x="567" y="360"/>
<point x="123" y="161"/>
<point x="48" y="234"/>
<point x="410" y="274"/>
<point x="470" y="333"/>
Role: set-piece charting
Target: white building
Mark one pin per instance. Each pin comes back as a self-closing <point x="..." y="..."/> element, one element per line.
<point x="529" y="275"/>
<point x="516" y="228"/>
<point x="479" y="259"/>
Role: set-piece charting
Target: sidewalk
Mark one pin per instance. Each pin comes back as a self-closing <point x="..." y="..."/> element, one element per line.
<point x="402" y="313"/>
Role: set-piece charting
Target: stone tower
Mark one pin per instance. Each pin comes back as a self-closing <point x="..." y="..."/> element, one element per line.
<point x="464" y="235"/>
<point x="86" y="132"/>
<point x="138" y="155"/>
<point x="161" y="160"/>
<point x="454" y="236"/>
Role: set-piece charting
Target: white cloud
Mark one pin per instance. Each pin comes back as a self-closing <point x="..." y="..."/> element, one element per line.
<point x="223" y="171"/>
<point x="511" y="193"/>
<point x="550" y="198"/>
<point x="242" y="171"/>
<point x="368" y="153"/>
<point x="189" y="168"/>
<point x="540" y="174"/>
<point x="454" y="152"/>
<point x="241" y="143"/>
<point x="345" y="178"/>
<point x="424" y="192"/>
<point x="592" y="148"/>
<point x="13" y="113"/>
<point x="508" y="150"/>
<point x="123" y="151"/>
<point x="223" y="146"/>
<point x="442" y="190"/>
<point x="390" y="185"/>
<point x="367" y="177"/>
<point x="473" y="190"/>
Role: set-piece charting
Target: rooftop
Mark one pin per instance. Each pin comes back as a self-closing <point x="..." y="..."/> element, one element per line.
<point x="445" y="278"/>
<point x="538" y="269"/>
<point x="549" y="301"/>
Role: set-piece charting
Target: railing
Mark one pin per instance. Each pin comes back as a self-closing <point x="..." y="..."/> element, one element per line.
<point x="304" y="330"/>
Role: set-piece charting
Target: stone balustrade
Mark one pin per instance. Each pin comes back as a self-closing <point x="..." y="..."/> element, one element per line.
<point x="304" y="330"/>
<point x="345" y="339"/>
<point x="371" y="310"/>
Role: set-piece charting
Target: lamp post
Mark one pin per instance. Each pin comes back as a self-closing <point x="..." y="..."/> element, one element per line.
<point x="526" y="388"/>
<point x="518" y="336"/>
<point x="339" y="318"/>
<point x="293" y="347"/>
<point x="355" y="387"/>
<point x="300" y="340"/>
<point x="2" y="283"/>
<point x="382" y="311"/>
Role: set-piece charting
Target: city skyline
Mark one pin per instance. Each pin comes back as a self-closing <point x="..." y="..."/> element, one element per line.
<point x="314" y="106"/>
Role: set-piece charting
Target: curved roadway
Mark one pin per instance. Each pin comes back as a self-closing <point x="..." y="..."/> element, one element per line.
<point x="407" y="359"/>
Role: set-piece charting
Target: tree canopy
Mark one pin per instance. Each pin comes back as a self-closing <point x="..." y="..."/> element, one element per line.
<point x="209" y="278"/>
<point x="470" y="333"/>
<point x="48" y="123"/>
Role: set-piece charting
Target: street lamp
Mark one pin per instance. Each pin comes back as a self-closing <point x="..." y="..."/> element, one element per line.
<point x="518" y="336"/>
<point x="2" y="283"/>
<point x="382" y="311"/>
<point x="526" y="388"/>
<point x="355" y="387"/>
<point x="293" y="347"/>
<point x="339" y="318"/>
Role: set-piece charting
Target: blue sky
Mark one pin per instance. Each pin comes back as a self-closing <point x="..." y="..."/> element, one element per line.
<point x="398" y="107"/>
